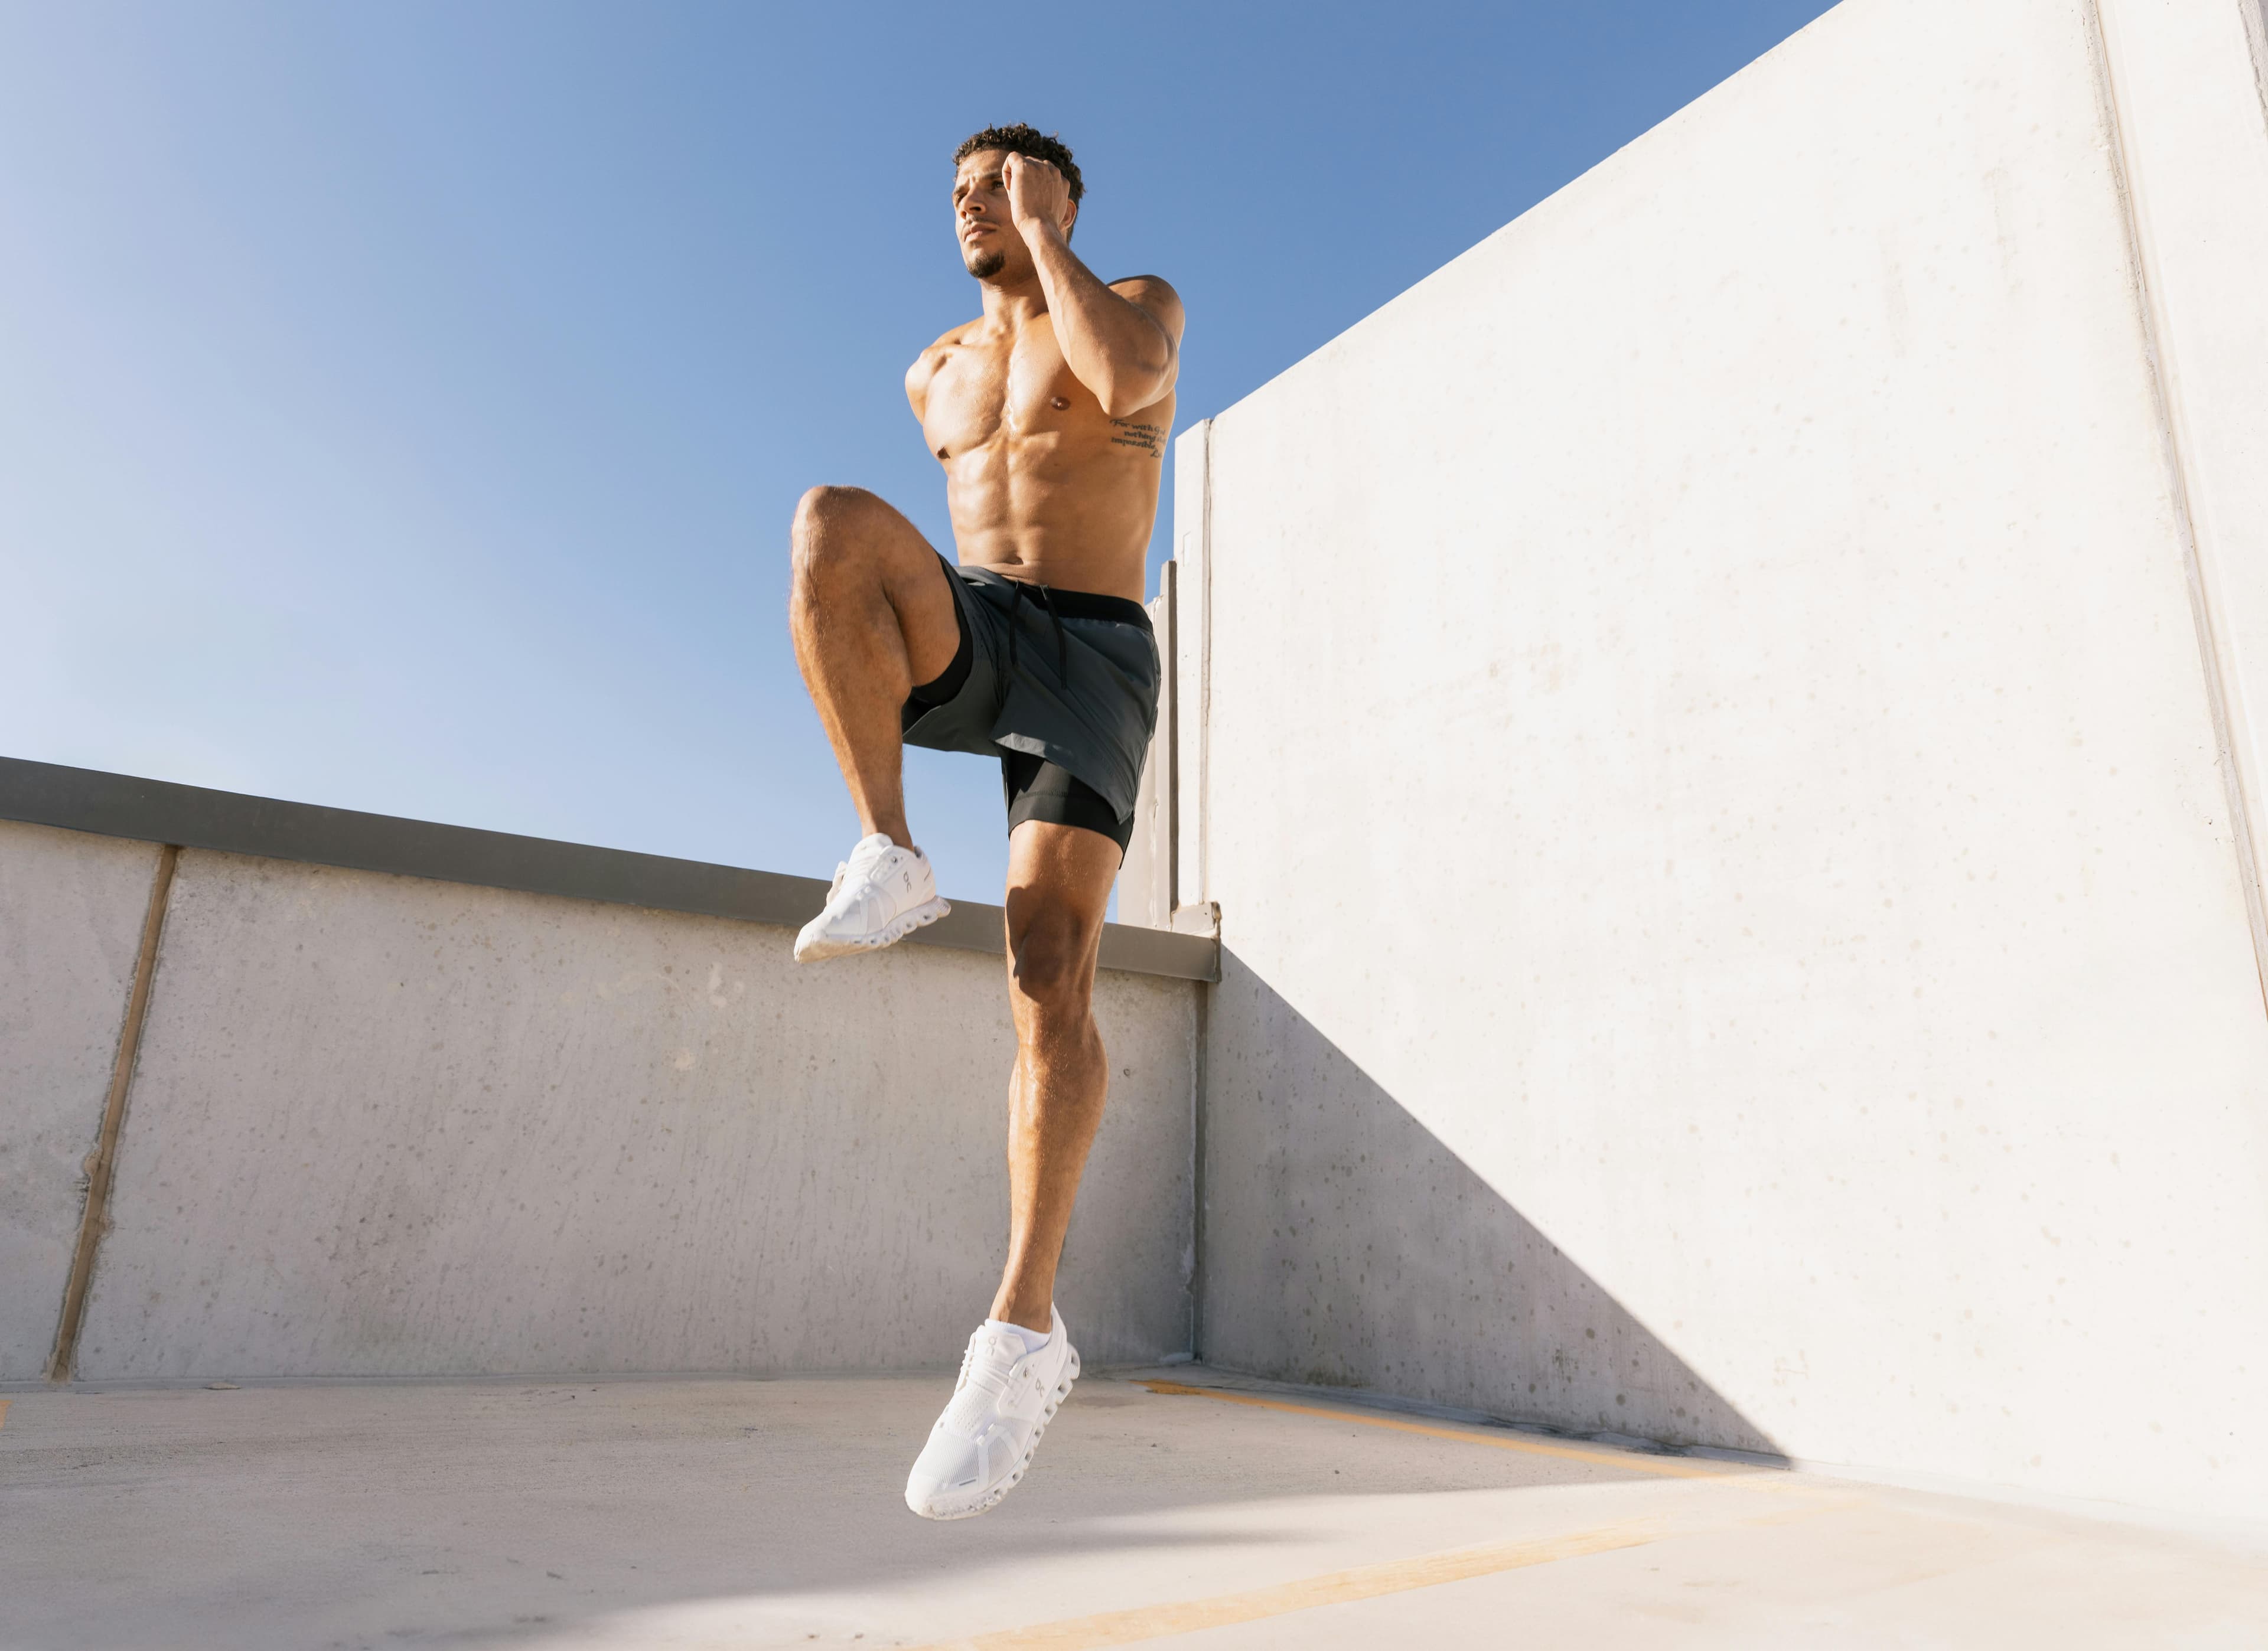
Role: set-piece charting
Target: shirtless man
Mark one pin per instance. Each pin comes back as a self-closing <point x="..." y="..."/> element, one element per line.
<point x="1049" y="413"/>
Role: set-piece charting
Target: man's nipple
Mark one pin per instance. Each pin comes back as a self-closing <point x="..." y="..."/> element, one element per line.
<point x="1059" y="402"/>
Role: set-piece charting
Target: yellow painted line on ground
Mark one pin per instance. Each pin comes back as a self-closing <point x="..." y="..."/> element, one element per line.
<point x="1334" y="1587"/>
<point x="1636" y="1461"/>
<point x="1368" y="1581"/>
<point x="4" y="1412"/>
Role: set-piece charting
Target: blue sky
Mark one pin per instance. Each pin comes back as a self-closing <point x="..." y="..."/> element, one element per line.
<point x="401" y="405"/>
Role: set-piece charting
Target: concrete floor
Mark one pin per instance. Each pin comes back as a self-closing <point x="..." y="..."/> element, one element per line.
<point x="715" y="1514"/>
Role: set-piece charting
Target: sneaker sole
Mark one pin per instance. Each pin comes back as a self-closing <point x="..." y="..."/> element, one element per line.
<point x="920" y="917"/>
<point x="991" y="1499"/>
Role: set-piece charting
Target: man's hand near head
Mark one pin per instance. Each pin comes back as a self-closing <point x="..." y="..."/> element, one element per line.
<point x="1124" y="346"/>
<point x="1039" y="198"/>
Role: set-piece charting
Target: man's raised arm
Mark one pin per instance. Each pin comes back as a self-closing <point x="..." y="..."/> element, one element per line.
<point x="1124" y="346"/>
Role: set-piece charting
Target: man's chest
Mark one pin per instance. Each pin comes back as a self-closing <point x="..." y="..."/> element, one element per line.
<point x="1017" y="384"/>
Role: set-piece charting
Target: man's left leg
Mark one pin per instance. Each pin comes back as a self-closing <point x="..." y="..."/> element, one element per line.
<point x="1021" y="1363"/>
<point x="1059" y="879"/>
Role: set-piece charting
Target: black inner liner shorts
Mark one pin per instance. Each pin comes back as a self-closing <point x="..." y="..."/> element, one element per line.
<point x="1061" y="686"/>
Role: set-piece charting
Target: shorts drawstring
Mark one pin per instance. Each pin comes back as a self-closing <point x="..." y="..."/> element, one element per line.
<point x="1046" y="600"/>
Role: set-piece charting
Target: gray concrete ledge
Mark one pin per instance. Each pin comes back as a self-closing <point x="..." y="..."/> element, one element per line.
<point x="191" y="817"/>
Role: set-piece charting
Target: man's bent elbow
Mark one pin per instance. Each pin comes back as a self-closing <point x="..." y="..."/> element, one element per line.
<point x="1122" y="399"/>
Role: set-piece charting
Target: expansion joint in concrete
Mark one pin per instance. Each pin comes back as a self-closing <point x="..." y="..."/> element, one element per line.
<point x="2223" y="693"/>
<point x="1169" y="586"/>
<point x="96" y="1216"/>
<point x="1204" y="683"/>
<point x="2255" y="13"/>
<point x="1199" y="1064"/>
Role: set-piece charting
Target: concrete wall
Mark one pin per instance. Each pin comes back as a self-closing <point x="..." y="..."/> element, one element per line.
<point x="72" y="909"/>
<point x="387" y="1125"/>
<point x="1754" y="946"/>
<point x="2188" y="85"/>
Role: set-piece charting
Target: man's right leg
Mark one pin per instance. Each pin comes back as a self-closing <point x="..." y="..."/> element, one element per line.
<point x="873" y="613"/>
<point x="871" y="616"/>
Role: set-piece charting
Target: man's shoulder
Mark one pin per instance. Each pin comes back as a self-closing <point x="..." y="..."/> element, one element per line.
<point x="1155" y="294"/>
<point x="1130" y="286"/>
<point x="931" y="360"/>
<point x="954" y="336"/>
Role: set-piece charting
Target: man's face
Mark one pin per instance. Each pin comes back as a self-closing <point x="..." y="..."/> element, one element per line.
<point x="981" y="219"/>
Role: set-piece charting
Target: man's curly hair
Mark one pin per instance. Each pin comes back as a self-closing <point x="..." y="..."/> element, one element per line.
<point x="1020" y="139"/>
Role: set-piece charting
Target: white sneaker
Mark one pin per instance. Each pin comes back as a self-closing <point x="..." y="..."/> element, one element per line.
<point x="984" y="1443"/>
<point x="882" y="894"/>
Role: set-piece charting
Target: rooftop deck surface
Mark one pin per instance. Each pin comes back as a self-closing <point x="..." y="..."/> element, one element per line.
<point x="1176" y="1507"/>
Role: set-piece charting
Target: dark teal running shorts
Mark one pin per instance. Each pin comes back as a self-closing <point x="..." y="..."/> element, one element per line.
<point x="1061" y="686"/>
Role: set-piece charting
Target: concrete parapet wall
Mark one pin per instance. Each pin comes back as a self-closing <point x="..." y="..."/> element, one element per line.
<point x="71" y="907"/>
<point x="1760" y="949"/>
<point x="385" y="1124"/>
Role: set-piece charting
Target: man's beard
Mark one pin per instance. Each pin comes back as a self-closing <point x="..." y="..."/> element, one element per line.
<point x="988" y="263"/>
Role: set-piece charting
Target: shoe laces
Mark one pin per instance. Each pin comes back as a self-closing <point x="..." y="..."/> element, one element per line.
<point x="979" y="1386"/>
<point x="969" y="1364"/>
<point x="866" y="861"/>
<point x="861" y="867"/>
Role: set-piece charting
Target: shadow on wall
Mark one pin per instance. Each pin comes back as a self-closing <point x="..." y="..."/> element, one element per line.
<point x="1347" y="1246"/>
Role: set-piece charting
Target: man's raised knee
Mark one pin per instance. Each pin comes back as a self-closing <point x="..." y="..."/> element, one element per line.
<point x="825" y="536"/>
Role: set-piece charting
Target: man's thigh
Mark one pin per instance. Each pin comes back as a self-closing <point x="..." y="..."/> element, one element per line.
<point x="872" y="536"/>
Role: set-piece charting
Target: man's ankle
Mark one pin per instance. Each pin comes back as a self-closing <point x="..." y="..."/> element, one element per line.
<point x="1033" y="1339"/>
<point x="1040" y="1323"/>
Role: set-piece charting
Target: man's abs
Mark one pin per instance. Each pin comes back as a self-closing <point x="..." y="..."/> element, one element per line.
<point x="1042" y="483"/>
<point x="1049" y="509"/>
